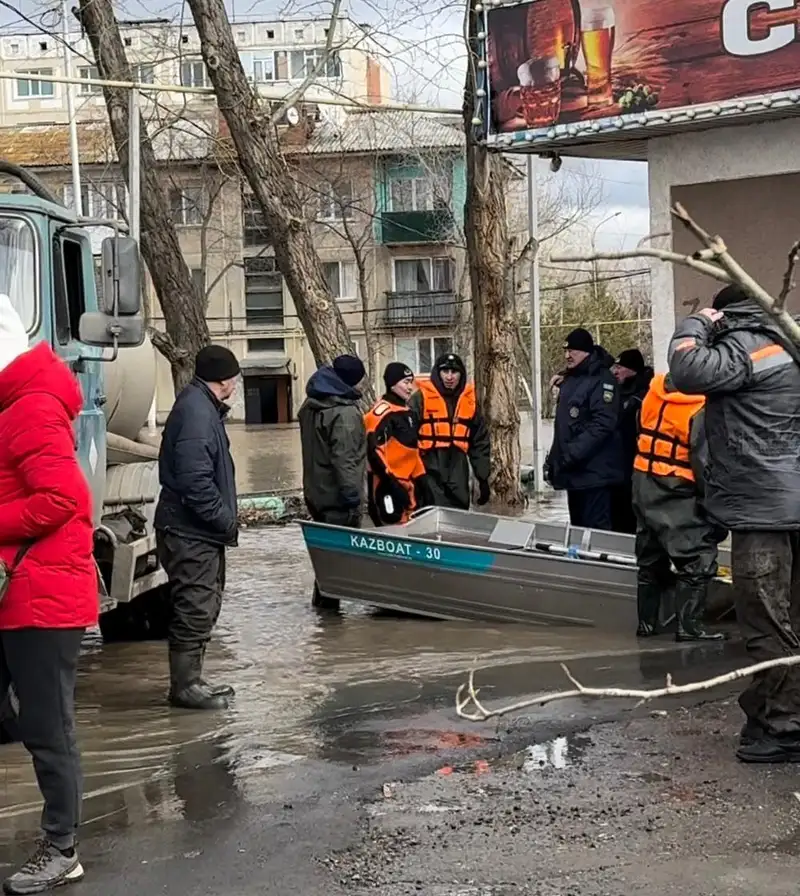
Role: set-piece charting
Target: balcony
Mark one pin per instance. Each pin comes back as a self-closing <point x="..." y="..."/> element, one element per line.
<point x="398" y="228"/>
<point x="420" y="309"/>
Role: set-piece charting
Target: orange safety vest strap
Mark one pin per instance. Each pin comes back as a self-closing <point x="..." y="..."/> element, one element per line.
<point x="436" y="429"/>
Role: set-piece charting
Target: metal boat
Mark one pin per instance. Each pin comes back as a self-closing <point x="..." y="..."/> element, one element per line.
<point x="457" y="564"/>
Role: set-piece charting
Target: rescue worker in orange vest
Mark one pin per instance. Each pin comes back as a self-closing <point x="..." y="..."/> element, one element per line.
<point x="396" y="477"/>
<point x="452" y="434"/>
<point x="672" y="527"/>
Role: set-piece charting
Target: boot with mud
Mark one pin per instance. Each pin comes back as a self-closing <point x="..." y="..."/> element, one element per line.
<point x="690" y="601"/>
<point x="218" y="690"/>
<point x="187" y="690"/>
<point x="648" y="605"/>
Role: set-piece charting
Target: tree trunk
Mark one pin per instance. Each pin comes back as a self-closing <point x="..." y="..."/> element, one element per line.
<point x="181" y="302"/>
<point x="494" y="313"/>
<point x="265" y="168"/>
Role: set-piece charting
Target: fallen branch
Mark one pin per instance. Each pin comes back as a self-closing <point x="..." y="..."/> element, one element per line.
<point x="468" y="693"/>
<point x="688" y="261"/>
<point x="788" y="277"/>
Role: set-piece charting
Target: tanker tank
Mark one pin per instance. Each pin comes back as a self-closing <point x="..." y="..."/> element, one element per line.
<point x="130" y="387"/>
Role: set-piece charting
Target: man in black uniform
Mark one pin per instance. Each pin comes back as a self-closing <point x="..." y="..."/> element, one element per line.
<point x="748" y="370"/>
<point x="586" y="455"/>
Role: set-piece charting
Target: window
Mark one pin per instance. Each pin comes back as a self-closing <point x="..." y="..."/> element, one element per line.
<point x="255" y="225"/>
<point x="270" y="34"/>
<point x="100" y="200"/>
<point x="263" y="291"/>
<point x="299" y="33"/>
<point x="257" y="346"/>
<point x="264" y="68"/>
<point x="128" y="41"/>
<point x="89" y="72"/>
<point x="43" y="46"/>
<point x="15" y="49"/>
<point x="18" y="278"/>
<point x="423" y="275"/>
<point x="419" y="354"/>
<point x="188" y="205"/>
<point x="419" y="194"/>
<point x="184" y="38"/>
<point x="335" y="201"/>
<point x="143" y="72"/>
<point x="35" y="89"/>
<point x="342" y="278"/>
<point x="303" y="62"/>
<point x="199" y="280"/>
<point x="70" y="301"/>
<point x="193" y="74"/>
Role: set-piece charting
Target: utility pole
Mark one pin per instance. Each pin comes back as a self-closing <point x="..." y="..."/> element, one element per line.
<point x="536" y="326"/>
<point x="74" y="152"/>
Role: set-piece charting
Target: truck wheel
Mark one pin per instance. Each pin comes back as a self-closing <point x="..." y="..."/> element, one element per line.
<point x="146" y="618"/>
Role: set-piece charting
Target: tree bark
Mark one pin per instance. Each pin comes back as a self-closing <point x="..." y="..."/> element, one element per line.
<point x="492" y="289"/>
<point x="181" y="302"/>
<point x="273" y="186"/>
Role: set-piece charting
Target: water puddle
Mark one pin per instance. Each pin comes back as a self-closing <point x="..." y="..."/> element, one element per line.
<point x="557" y="753"/>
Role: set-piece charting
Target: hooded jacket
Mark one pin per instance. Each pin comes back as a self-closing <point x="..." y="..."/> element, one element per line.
<point x="448" y="468"/>
<point x="752" y="415"/>
<point x="587" y="445"/>
<point x="45" y="500"/>
<point x="334" y="444"/>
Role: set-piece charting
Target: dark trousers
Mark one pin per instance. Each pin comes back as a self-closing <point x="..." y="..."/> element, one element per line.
<point x="766" y="580"/>
<point x="349" y="518"/>
<point x="42" y="665"/>
<point x="623" y="519"/>
<point x="590" y="507"/>
<point x="196" y="571"/>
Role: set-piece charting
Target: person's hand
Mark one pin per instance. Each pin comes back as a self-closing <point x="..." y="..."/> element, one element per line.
<point x="556" y="381"/>
<point x="711" y="313"/>
<point x="483" y="492"/>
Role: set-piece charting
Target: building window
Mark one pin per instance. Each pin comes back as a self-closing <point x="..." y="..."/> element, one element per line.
<point x="420" y="194"/>
<point x="128" y="41"/>
<point x="89" y="72"/>
<point x="335" y="201"/>
<point x="420" y="353"/>
<point x="106" y="201"/>
<point x="255" y="225"/>
<point x="35" y="89"/>
<point x="266" y="346"/>
<point x="342" y="279"/>
<point x="263" y="291"/>
<point x="15" y="49"/>
<point x="143" y="72"/>
<point x="264" y="68"/>
<point x="188" y="205"/>
<point x="303" y="62"/>
<point x="270" y="34"/>
<point x="299" y="33"/>
<point x="199" y="280"/>
<point x="423" y="275"/>
<point x="193" y="74"/>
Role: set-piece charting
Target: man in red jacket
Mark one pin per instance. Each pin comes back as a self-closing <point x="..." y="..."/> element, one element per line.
<point x="46" y="534"/>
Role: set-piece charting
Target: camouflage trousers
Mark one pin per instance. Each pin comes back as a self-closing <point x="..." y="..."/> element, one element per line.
<point x="766" y="580"/>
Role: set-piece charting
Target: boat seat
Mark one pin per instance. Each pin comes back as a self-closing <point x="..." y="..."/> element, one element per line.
<point x="512" y="534"/>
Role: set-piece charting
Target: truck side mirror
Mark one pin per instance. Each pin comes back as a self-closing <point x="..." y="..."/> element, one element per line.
<point x="121" y="277"/>
<point x="97" y="328"/>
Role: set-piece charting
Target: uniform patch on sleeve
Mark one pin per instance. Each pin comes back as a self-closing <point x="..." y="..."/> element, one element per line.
<point x="608" y="393"/>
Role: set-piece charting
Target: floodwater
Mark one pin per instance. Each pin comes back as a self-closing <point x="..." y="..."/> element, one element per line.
<point x="309" y="687"/>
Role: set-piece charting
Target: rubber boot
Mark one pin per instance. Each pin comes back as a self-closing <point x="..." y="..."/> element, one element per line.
<point x="218" y="690"/>
<point x="187" y="689"/>
<point x="648" y="604"/>
<point x="690" y="601"/>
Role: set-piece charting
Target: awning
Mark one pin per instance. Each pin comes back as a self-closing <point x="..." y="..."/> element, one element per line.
<point x="276" y="365"/>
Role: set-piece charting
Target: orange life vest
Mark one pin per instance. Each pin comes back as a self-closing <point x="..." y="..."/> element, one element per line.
<point x="665" y="421"/>
<point x="436" y="429"/>
<point x="401" y="462"/>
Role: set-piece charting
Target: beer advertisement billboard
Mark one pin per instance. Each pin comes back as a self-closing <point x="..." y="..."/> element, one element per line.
<point x="581" y="62"/>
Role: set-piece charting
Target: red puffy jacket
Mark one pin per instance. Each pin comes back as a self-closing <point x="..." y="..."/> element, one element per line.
<point x="44" y="497"/>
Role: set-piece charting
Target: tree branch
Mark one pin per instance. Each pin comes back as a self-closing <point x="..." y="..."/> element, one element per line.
<point x="688" y="261"/>
<point x="468" y="693"/>
<point x="788" y="277"/>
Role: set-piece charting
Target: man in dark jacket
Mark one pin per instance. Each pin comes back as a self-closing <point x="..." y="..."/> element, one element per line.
<point x="452" y="434"/>
<point x="586" y="456"/>
<point x="334" y="445"/>
<point x="735" y="355"/>
<point x="634" y="377"/>
<point x="195" y="520"/>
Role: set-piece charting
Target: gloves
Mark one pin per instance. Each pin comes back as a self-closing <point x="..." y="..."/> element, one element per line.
<point x="483" y="492"/>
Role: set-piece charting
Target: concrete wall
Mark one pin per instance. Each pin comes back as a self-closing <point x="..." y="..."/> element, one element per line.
<point x="741" y="182"/>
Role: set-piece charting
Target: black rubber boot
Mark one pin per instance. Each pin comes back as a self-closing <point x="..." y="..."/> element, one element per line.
<point x="187" y="689"/>
<point x="690" y="601"/>
<point x="218" y="690"/>
<point x="648" y="604"/>
<point x="752" y="731"/>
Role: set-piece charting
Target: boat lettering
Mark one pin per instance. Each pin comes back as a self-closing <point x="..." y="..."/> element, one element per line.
<point x="380" y="545"/>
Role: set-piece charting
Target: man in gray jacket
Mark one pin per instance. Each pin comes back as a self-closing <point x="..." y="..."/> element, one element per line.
<point x="735" y="355"/>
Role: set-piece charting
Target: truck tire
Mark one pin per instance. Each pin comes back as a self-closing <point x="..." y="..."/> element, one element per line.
<point x="144" y="619"/>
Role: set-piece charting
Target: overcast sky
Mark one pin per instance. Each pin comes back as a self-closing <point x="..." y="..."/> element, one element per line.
<point x="421" y="45"/>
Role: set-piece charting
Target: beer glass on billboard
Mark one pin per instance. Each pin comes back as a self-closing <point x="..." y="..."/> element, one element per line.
<point x="540" y="91"/>
<point x="597" y="39"/>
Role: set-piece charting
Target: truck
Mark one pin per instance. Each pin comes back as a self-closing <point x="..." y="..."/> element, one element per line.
<point x="88" y="307"/>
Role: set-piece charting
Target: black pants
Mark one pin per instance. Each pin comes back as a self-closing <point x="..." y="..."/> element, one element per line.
<point x="623" y="519"/>
<point x="590" y="507"/>
<point x="349" y="518"/>
<point x="196" y="571"/>
<point x="766" y="579"/>
<point x="42" y="665"/>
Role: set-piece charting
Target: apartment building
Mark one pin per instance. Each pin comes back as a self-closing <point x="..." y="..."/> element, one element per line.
<point x="384" y="193"/>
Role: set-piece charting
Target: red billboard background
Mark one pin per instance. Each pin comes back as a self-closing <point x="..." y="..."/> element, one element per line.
<point x="643" y="55"/>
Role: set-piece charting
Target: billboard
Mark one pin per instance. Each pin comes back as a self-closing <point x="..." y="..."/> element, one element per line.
<point x="562" y="67"/>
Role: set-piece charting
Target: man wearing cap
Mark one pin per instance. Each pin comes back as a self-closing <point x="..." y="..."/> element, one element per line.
<point x="634" y="377"/>
<point x="397" y="480"/>
<point x="586" y="456"/>
<point x="735" y="355"/>
<point x="452" y="434"/>
<point x="196" y="520"/>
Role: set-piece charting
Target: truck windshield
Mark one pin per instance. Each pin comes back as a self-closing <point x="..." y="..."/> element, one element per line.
<point x="18" y="267"/>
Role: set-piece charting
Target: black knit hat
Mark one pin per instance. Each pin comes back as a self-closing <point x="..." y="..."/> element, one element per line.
<point x="580" y="340"/>
<point x="350" y="369"/>
<point x="395" y="372"/>
<point x="728" y="295"/>
<point x="215" y="363"/>
<point x="450" y="361"/>
<point x="631" y="358"/>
